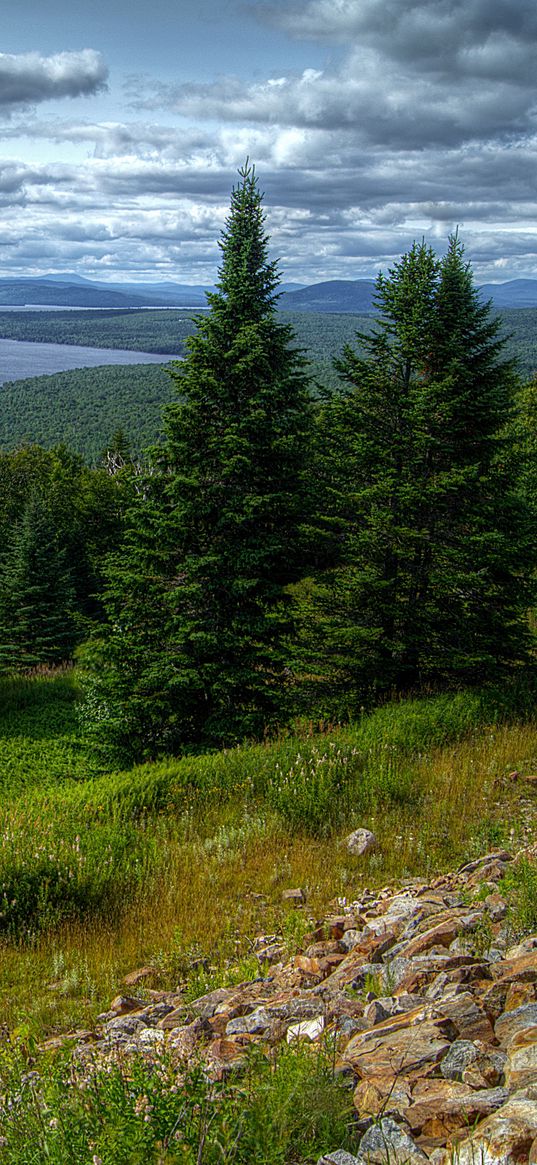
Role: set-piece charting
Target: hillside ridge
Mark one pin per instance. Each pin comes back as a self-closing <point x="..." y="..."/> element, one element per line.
<point x="331" y="295"/>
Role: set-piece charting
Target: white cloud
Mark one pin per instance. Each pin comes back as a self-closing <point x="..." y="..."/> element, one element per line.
<point x="28" y="78"/>
<point x="421" y="117"/>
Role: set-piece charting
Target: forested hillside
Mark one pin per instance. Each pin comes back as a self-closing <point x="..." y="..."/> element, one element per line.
<point x="84" y="407"/>
<point x="142" y="331"/>
<point x="322" y="335"/>
<point x="282" y="550"/>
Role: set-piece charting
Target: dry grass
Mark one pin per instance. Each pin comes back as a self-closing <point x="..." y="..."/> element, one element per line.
<point x="222" y="882"/>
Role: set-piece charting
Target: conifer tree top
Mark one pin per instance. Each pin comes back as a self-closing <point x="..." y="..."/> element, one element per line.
<point x="247" y="280"/>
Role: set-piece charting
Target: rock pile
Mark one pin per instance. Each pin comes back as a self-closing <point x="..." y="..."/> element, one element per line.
<point x="430" y="1006"/>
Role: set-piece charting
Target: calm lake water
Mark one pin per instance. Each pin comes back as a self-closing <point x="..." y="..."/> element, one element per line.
<point x="20" y="359"/>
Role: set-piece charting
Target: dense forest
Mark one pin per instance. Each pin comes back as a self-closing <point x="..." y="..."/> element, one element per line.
<point x="321" y="335"/>
<point x="287" y="547"/>
<point x="83" y="407"/>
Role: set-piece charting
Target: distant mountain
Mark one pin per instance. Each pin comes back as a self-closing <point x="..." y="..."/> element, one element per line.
<point x="339" y="295"/>
<point x="515" y="293"/>
<point x="177" y="293"/>
<point x="20" y="292"/>
<point x="334" y="295"/>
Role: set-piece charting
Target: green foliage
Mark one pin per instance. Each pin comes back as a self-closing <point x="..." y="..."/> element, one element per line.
<point x="140" y="331"/>
<point x="83" y="407"/>
<point x="80" y="408"/>
<point x="40" y="741"/>
<point x="58" y="518"/>
<point x="523" y="433"/>
<point x="37" y="597"/>
<point x="197" y="604"/>
<point x="285" y="1110"/>
<point x="321" y="334"/>
<point x="421" y="511"/>
<point x="520" y="886"/>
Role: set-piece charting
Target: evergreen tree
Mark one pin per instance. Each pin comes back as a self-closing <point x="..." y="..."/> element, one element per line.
<point x="197" y="606"/>
<point x="37" y="624"/>
<point x="433" y="545"/>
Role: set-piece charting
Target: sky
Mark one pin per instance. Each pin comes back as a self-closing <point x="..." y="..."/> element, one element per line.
<point x="371" y="123"/>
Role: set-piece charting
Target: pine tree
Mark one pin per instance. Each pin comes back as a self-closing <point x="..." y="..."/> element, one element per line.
<point x="197" y="606"/>
<point x="477" y="582"/>
<point x="37" y="600"/>
<point x="433" y="545"/>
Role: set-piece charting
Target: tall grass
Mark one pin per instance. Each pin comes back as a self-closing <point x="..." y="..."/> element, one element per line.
<point x="99" y="873"/>
<point x="289" y="1109"/>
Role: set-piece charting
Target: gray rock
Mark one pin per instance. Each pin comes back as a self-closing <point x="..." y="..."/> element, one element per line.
<point x="206" y="1005"/>
<point x="350" y="939"/>
<point x="360" y="842"/>
<point x="375" y="1012"/>
<point x="151" y="1037"/>
<point x="350" y="1025"/>
<point x="157" y="1011"/>
<point x="510" y="1023"/>
<point x="125" y="1025"/>
<point x="255" y="1024"/>
<point x="461" y="1054"/>
<point x="338" y="1157"/>
<point x="386" y="1143"/>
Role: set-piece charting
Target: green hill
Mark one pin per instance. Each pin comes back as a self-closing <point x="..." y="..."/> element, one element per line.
<point x="83" y="407"/>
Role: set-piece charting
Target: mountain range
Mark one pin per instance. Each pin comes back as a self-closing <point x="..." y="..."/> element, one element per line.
<point x="335" y="295"/>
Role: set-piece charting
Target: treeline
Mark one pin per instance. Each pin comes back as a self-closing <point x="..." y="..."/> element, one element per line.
<point x="280" y="555"/>
<point x="82" y="407"/>
<point x="142" y="331"/>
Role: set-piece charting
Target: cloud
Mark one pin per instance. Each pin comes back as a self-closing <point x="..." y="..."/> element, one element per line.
<point x="414" y="73"/>
<point x="421" y="115"/>
<point x="490" y="37"/>
<point x="29" y="78"/>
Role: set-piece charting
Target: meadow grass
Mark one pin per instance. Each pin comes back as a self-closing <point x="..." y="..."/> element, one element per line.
<point x="278" y="1111"/>
<point x="187" y="859"/>
<point x="178" y="865"/>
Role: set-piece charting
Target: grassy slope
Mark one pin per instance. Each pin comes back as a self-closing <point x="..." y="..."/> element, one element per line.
<point x="101" y="872"/>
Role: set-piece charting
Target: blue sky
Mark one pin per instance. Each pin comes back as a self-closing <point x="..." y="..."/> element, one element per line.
<point x="371" y="123"/>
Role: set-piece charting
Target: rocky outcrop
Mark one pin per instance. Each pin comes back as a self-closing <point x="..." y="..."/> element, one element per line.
<point x="429" y="1005"/>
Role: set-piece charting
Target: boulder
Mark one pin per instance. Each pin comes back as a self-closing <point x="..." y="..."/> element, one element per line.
<point x="512" y="1022"/>
<point x="338" y="1157"/>
<point x="441" y="1107"/>
<point x="360" y="842"/>
<point x="386" y="1143"/>
<point x="521" y="1067"/>
<point x="505" y="1138"/>
<point x="413" y="1049"/>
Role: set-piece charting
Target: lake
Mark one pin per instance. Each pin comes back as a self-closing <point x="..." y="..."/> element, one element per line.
<point x="20" y="359"/>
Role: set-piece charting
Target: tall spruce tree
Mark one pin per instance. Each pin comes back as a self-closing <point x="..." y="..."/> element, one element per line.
<point x="433" y="552"/>
<point x="197" y="606"/>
